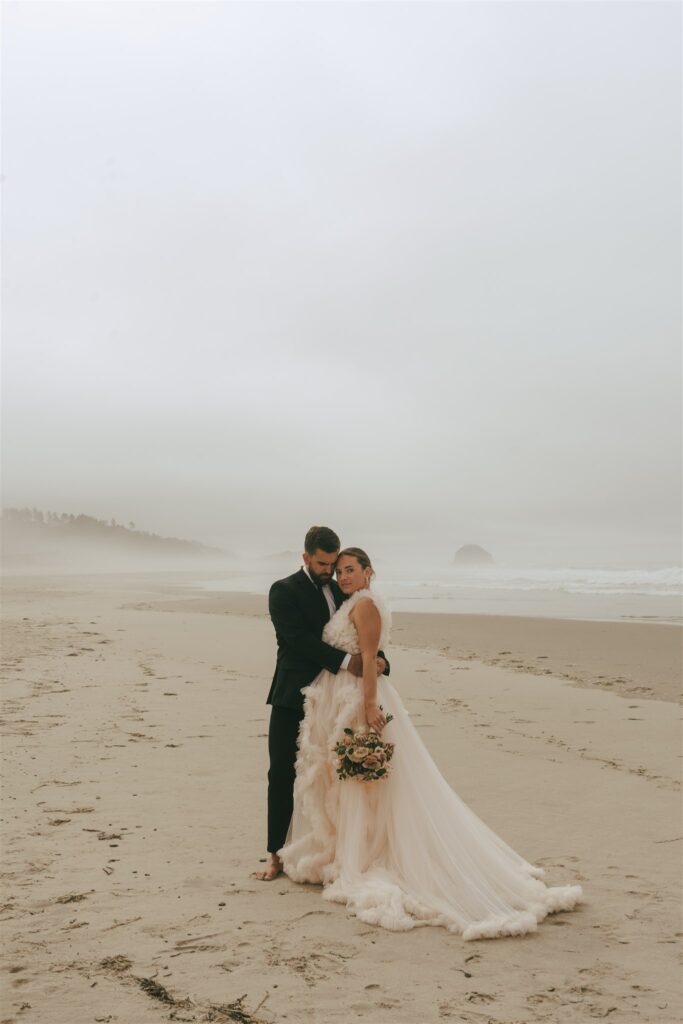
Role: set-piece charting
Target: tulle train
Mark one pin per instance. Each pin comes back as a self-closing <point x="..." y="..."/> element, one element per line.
<point x="404" y="852"/>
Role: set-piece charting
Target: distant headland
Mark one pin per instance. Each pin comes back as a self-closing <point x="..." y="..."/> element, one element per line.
<point x="32" y="537"/>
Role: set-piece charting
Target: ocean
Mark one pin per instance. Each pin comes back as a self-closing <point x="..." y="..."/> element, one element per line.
<point x="578" y="593"/>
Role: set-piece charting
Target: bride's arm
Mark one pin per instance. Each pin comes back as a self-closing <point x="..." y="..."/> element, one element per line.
<point x="366" y="619"/>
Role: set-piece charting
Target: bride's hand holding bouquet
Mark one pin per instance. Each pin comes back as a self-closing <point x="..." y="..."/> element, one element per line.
<point x="363" y="755"/>
<point x="374" y="716"/>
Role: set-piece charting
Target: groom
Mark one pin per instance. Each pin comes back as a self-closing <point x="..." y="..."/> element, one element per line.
<point x="300" y="606"/>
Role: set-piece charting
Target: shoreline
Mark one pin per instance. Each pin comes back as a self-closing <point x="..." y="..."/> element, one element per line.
<point x="504" y="602"/>
<point x="638" y="659"/>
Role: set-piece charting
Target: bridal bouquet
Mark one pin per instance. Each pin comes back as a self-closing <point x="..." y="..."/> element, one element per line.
<point x="363" y="756"/>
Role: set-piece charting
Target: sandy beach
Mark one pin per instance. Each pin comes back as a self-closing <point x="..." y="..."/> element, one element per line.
<point x="134" y="742"/>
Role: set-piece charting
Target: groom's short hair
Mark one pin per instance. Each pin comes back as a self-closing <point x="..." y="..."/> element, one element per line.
<point x="321" y="538"/>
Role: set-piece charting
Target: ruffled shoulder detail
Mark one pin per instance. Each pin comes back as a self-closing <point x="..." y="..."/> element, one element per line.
<point x="374" y="596"/>
<point x="340" y="632"/>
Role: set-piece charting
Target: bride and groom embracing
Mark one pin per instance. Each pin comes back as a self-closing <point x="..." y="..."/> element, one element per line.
<point x="402" y="851"/>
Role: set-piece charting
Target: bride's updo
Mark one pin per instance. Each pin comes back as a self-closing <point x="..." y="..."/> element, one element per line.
<point x="361" y="557"/>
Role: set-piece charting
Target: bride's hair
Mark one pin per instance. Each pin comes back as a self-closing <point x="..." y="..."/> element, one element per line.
<point x="361" y="556"/>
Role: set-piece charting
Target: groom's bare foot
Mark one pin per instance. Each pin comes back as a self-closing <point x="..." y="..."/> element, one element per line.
<point x="272" y="869"/>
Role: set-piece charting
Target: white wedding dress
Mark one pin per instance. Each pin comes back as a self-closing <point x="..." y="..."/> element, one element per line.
<point x="404" y="851"/>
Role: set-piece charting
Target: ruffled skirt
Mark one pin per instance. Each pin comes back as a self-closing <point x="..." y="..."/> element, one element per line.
<point x="405" y="851"/>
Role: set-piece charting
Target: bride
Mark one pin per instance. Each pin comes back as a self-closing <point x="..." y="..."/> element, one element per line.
<point x="404" y="851"/>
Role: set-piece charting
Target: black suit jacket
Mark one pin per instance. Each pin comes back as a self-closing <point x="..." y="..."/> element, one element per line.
<point x="299" y="613"/>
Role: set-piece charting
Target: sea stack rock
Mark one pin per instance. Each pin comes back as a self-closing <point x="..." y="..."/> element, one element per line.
<point x="472" y="554"/>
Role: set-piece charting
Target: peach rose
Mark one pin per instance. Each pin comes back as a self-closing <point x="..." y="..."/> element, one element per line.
<point x="372" y="762"/>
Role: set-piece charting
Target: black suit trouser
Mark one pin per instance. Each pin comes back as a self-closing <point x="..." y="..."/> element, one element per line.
<point x="282" y="736"/>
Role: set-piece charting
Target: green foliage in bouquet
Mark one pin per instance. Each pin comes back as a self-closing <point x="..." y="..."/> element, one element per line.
<point x="363" y="756"/>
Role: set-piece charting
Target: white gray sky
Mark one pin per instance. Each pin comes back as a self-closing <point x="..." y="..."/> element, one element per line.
<point x="408" y="269"/>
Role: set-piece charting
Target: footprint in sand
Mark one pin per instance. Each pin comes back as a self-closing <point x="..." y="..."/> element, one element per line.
<point x="480" y="997"/>
<point x="229" y="966"/>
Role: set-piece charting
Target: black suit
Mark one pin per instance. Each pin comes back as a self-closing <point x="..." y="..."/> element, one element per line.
<point x="299" y="612"/>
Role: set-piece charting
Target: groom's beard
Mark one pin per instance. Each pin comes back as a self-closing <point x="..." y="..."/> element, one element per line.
<point x="320" y="579"/>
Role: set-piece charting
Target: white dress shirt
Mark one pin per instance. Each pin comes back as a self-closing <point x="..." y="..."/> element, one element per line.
<point x="329" y="597"/>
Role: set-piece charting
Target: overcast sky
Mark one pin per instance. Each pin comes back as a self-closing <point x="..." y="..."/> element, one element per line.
<point x="411" y="270"/>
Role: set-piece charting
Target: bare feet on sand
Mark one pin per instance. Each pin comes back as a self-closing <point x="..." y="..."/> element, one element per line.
<point x="272" y="869"/>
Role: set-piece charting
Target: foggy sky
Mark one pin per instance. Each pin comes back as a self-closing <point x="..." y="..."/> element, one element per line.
<point x="409" y="270"/>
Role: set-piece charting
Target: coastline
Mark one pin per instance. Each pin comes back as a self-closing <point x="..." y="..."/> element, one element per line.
<point x="643" y="659"/>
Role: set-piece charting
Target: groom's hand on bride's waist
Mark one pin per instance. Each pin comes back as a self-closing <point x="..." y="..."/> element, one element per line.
<point x="356" y="665"/>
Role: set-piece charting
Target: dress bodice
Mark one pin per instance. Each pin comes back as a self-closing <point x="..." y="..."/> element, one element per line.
<point x="341" y="633"/>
